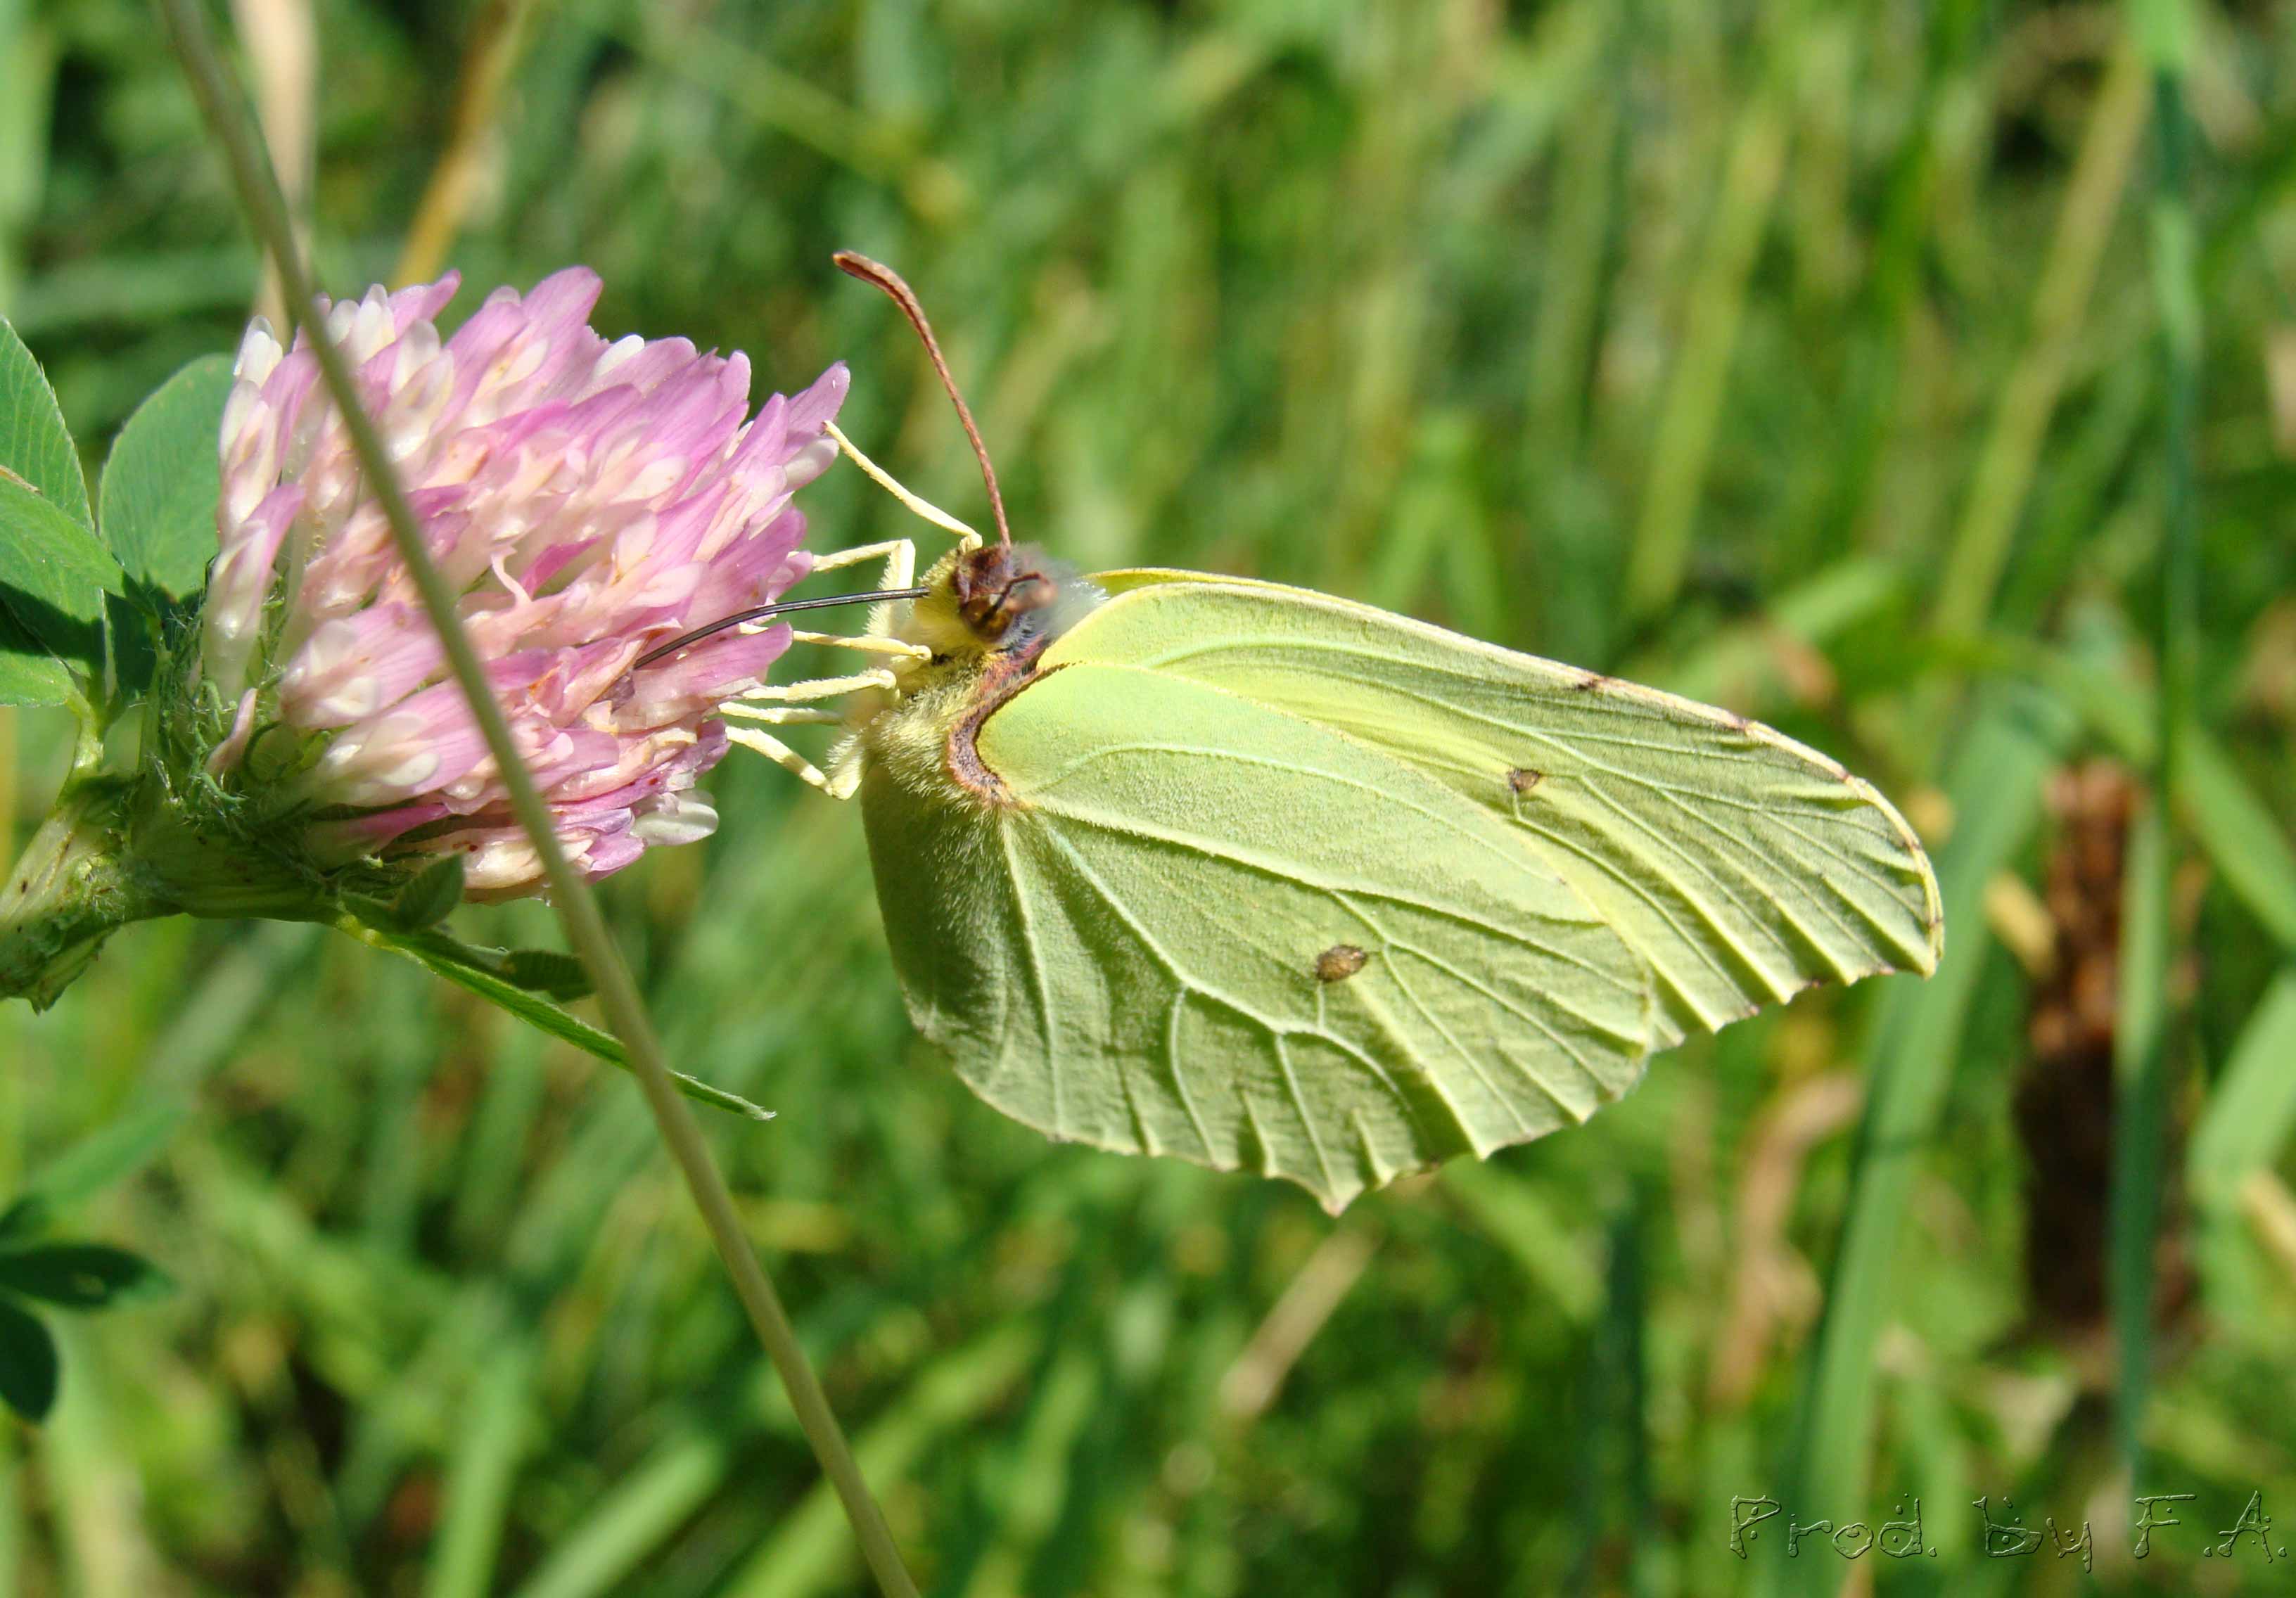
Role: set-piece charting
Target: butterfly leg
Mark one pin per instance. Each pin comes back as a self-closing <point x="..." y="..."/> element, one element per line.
<point x="876" y="638"/>
<point x="781" y="754"/>
<point x="788" y="704"/>
<point x="866" y="643"/>
<point x="844" y="769"/>
<point x="917" y="506"/>
<point x="784" y="706"/>
<point x="798" y="693"/>
<point x="901" y="560"/>
<point x="781" y="715"/>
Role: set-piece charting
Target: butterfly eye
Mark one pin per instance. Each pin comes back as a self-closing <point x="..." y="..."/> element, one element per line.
<point x="995" y="600"/>
<point x="1030" y="592"/>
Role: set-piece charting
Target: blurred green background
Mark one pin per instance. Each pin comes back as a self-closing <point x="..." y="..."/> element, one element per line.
<point x="1874" y="369"/>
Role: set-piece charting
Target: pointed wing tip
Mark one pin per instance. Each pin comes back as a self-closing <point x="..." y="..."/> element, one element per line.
<point x="1933" y="949"/>
<point x="1929" y="917"/>
<point x="1932" y="912"/>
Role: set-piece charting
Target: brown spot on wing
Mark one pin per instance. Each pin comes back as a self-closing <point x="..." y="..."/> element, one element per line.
<point x="1007" y="673"/>
<point x="1522" y="779"/>
<point x="1339" y="963"/>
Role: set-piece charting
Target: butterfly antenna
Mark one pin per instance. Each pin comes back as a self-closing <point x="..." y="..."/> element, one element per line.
<point x="884" y="277"/>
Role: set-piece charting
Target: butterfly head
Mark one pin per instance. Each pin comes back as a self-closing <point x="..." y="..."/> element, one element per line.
<point x="999" y="600"/>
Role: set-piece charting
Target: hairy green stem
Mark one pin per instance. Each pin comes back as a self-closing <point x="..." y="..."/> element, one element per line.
<point x="70" y="889"/>
<point x="586" y="929"/>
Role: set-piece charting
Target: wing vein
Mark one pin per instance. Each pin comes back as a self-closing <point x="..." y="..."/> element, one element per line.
<point x="1038" y="982"/>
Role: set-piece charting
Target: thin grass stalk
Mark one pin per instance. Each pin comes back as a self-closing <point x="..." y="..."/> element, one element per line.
<point x="1581" y="244"/>
<point x="475" y="1514"/>
<point x="1630" y="1324"/>
<point x="1613" y="1495"/>
<point x="28" y="77"/>
<point x="1995" y="786"/>
<point x="2145" y="1053"/>
<point x="1883" y="319"/>
<point x="2140" y="1109"/>
<point x="282" y="40"/>
<point x="224" y="111"/>
<point x="497" y="34"/>
<point x="2004" y="474"/>
<point x="636" y="1519"/>
<point x="1684" y="449"/>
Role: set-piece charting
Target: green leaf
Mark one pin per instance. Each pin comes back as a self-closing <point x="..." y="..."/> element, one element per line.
<point x="484" y="972"/>
<point x="547" y="972"/>
<point x="382" y="914"/>
<point x="429" y="899"/>
<point x="423" y="901"/>
<point x="28" y="1363"/>
<point x="35" y="444"/>
<point x="28" y="678"/>
<point x="161" y="482"/>
<point x="53" y="578"/>
<point x="80" y="1275"/>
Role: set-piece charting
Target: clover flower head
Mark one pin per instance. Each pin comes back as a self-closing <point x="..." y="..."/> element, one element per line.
<point x="588" y="499"/>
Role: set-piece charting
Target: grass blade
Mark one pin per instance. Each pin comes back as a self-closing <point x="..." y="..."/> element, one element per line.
<point x="2252" y="1111"/>
<point x="1995" y="787"/>
<point x="479" y="1475"/>
<point x="643" y="1511"/>
<point x="2029" y="398"/>
<point x="805" y="1554"/>
<point x="1684" y="446"/>
<point x="2144" y="1050"/>
<point x="2140" y="1069"/>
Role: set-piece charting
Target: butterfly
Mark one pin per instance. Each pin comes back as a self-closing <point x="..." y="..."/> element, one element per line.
<point x="1177" y="864"/>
